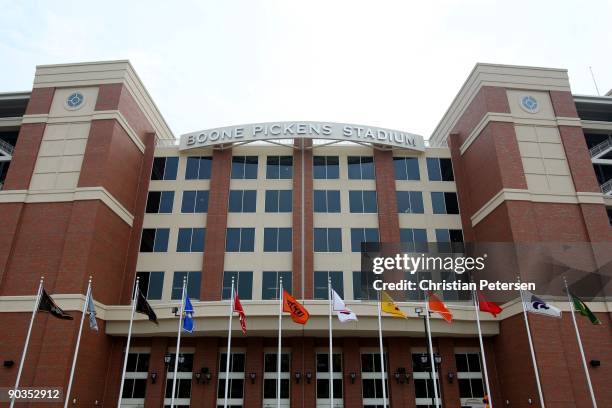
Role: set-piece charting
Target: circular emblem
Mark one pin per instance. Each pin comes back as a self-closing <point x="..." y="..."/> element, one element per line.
<point x="75" y="101"/>
<point x="530" y="104"/>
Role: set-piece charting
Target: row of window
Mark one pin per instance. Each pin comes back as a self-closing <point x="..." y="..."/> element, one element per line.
<point x="279" y="239"/>
<point x="325" y="201"/>
<point x="281" y="167"/>
<point x="468" y="365"/>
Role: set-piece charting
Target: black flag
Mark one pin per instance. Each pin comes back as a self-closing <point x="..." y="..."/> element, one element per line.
<point x="47" y="304"/>
<point x="142" y="306"/>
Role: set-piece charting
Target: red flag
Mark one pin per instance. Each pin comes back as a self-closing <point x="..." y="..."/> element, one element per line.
<point x="238" y="309"/>
<point x="436" y="305"/>
<point x="486" y="306"/>
<point x="299" y="314"/>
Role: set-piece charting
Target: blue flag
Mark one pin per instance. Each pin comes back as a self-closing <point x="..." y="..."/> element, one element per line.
<point x="188" y="324"/>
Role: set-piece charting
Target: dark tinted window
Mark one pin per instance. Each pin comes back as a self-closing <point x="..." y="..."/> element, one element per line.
<point x="406" y="168"/>
<point x="362" y="235"/>
<point x="240" y="240"/>
<point x="194" y="280"/>
<point x="151" y="284"/>
<point x="242" y="200"/>
<point x="270" y="284"/>
<point x="320" y="283"/>
<point x="279" y="200"/>
<point x="244" y="167"/>
<point x="198" y="168"/>
<point x="277" y="239"/>
<point x="164" y="168"/>
<point x="327" y="239"/>
<point x="327" y="201"/>
<point x="360" y="167"/>
<point x="326" y="167"/>
<point x="410" y="202"/>
<point x="243" y="283"/>
<point x="362" y="201"/>
<point x="279" y="167"/>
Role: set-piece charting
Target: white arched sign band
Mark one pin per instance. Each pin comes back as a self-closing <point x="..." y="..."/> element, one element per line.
<point x="307" y="130"/>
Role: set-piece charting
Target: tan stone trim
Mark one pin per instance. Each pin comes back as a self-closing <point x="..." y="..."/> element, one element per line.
<point x="596" y="125"/>
<point x="10" y="122"/>
<point x="97" y="115"/>
<point x="508" y="118"/>
<point x="66" y="195"/>
<point x="513" y="194"/>
<point x="104" y="72"/>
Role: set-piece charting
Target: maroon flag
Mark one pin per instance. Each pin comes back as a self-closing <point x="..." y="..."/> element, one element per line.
<point x="238" y="309"/>
<point x="485" y="306"/>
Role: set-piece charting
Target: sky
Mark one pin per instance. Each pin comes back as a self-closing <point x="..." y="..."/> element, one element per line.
<point x="393" y="64"/>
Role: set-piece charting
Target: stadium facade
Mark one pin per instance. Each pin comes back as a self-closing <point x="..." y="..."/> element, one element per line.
<point x="94" y="183"/>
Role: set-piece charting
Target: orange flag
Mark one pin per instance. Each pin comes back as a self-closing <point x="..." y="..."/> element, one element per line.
<point x="299" y="314"/>
<point x="437" y="306"/>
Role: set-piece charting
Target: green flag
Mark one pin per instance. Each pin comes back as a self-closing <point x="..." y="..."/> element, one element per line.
<point x="584" y="310"/>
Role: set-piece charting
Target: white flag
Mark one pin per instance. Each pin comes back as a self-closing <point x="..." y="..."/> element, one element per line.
<point x="534" y="304"/>
<point x="93" y="324"/>
<point x="344" y="314"/>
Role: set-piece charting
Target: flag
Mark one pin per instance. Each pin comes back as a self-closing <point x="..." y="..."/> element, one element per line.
<point x="91" y="308"/>
<point x="142" y="306"/>
<point x="485" y="306"/>
<point x="583" y="309"/>
<point x="299" y="314"/>
<point x="188" y="324"/>
<point x="387" y="305"/>
<point x="437" y="306"/>
<point x="344" y="313"/>
<point x="534" y="304"/>
<point x="241" y="315"/>
<point x="47" y="304"/>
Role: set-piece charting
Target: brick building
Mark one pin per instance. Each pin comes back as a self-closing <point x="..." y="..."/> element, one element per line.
<point x="94" y="183"/>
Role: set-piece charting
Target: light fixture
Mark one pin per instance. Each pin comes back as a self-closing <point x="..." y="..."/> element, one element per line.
<point x="167" y="359"/>
<point x="252" y="376"/>
<point x="437" y="359"/>
<point x="153" y="377"/>
<point x="400" y="375"/>
<point x="353" y="375"/>
<point x="595" y="363"/>
<point x="298" y="376"/>
<point x="451" y="376"/>
<point x="198" y="376"/>
<point x="308" y="376"/>
<point x="424" y="359"/>
<point x="181" y="359"/>
<point x="206" y="373"/>
<point x="8" y="363"/>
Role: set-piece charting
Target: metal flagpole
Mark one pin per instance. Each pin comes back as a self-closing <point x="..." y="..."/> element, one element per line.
<point x="76" y="350"/>
<point x="584" y="364"/>
<point x="178" y="341"/>
<point x="278" y="355"/>
<point x="482" y="352"/>
<point x="27" y="341"/>
<point x="229" y="344"/>
<point x="382" y="358"/>
<point x="331" y="360"/>
<point x="533" y="358"/>
<point x="431" y="354"/>
<point x="129" y="338"/>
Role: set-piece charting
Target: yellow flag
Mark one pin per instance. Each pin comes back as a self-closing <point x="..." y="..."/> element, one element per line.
<point x="387" y="305"/>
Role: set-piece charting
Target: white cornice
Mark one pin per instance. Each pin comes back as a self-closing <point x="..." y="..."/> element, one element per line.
<point x="104" y="72"/>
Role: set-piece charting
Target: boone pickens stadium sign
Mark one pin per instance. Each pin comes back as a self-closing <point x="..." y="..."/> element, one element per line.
<point x="307" y="130"/>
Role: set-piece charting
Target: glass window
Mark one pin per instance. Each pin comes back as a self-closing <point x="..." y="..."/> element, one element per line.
<point x="444" y="203"/>
<point x="270" y="283"/>
<point x="406" y="168"/>
<point x="359" y="292"/>
<point x="243" y="283"/>
<point x="360" y="167"/>
<point x="440" y="169"/>
<point x="326" y="167"/>
<point x="240" y="240"/>
<point x="160" y="202"/>
<point x="320" y="283"/>
<point x="362" y="201"/>
<point x="449" y="240"/>
<point x="362" y="235"/>
<point x="279" y="167"/>
<point x="279" y="200"/>
<point x="235" y="379"/>
<point x="327" y="201"/>
<point x="410" y="202"/>
<point x="193" y="284"/>
<point x="198" y="168"/>
<point x="164" y="168"/>
<point x="244" y="167"/>
<point x="154" y="240"/>
<point x="195" y="201"/>
<point x="242" y="201"/>
<point x="151" y="284"/>
<point x="136" y="373"/>
<point x="191" y="240"/>
<point x="277" y="239"/>
<point x="414" y="239"/>
<point x="327" y="240"/>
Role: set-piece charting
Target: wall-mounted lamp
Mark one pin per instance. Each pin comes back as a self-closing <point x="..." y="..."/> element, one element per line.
<point x="595" y="363"/>
<point x="352" y="375"/>
<point x="198" y="376"/>
<point x="451" y="377"/>
<point x="308" y="377"/>
<point x="437" y="359"/>
<point x="167" y="359"/>
<point x="401" y="375"/>
<point x="204" y="373"/>
<point x="252" y="376"/>
<point x="153" y="377"/>
<point x="8" y="363"/>
<point x="298" y="377"/>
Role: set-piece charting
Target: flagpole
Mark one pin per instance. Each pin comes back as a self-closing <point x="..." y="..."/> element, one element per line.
<point x="331" y="360"/>
<point x="229" y="344"/>
<point x="129" y="338"/>
<point x="584" y="364"/>
<point x="178" y="342"/>
<point x="27" y="341"/>
<point x="280" y="326"/>
<point x="431" y="354"/>
<point x="78" y="343"/>
<point x="382" y="359"/>
<point x="533" y="358"/>
<point x="482" y="352"/>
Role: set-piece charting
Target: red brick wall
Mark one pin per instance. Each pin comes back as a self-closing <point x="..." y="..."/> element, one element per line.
<point x="388" y="220"/>
<point x="206" y="355"/>
<point x="303" y="360"/>
<point x="253" y="393"/>
<point x="24" y="157"/>
<point x="399" y="355"/>
<point x="40" y="101"/>
<point x="351" y="358"/>
<point x="155" y="393"/>
<point x="306" y="154"/>
<point x="216" y="224"/>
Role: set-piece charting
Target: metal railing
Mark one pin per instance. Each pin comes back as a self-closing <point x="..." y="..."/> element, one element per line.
<point x="606" y="144"/>
<point x="6" y="147"/>
<point x="606" y="187"/>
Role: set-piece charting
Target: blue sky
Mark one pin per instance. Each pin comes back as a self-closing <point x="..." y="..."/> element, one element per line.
<point x="395" y="64"/>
